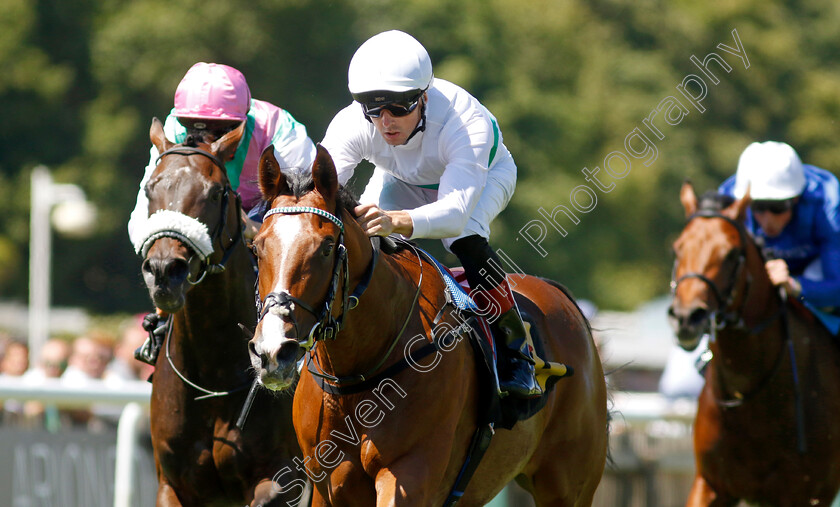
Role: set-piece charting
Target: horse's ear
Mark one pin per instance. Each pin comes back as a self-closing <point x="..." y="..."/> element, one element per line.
<point x="688" y="198"/>
<point x="272" y="180"/>
<point x="738" y="209"/>
<point x="226" y="146"/>
<point x="324" y="175"/>
<point x="158" y="137"/>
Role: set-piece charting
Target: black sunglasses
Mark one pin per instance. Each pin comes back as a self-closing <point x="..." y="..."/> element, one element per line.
<point x="777" y="207"/>
<point x="398" y="109"/>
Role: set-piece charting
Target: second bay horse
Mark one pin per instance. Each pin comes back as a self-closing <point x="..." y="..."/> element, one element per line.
<point x="766" y="427"/>
<point x="197" y="268"/>
<point x="353" y="314"/>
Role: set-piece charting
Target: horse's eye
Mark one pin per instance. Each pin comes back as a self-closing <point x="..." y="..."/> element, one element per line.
<point x="216" y="194"/>
<point x="327" y="248"/>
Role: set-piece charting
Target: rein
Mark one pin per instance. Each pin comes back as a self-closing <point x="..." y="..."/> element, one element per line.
<point x="207" y="393"/>
<point x="352" y="384"/>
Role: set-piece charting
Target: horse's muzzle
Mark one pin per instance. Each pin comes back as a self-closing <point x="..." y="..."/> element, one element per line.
<point x="276" y="365"/>
<point x="166" y="280"/>
<point x="689" y="324"/>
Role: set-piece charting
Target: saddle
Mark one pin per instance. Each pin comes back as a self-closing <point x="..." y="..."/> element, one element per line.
<point x="503" y="411"/>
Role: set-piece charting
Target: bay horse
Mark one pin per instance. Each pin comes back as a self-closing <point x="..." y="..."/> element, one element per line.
<point x="197" y="268"/>
<point x="766" y="429"/>
<point x="399" y="436"/>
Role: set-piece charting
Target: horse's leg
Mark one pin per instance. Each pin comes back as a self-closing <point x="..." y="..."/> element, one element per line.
<point x="702" y="495"/>
<point x="166" y="496"/>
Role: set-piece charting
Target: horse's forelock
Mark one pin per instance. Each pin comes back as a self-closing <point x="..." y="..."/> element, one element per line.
<point x="301" y="183"/>
<point x="714" y="202"/>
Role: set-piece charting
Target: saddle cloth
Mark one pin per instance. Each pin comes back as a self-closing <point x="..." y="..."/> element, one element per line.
<point x="505" y="411"/>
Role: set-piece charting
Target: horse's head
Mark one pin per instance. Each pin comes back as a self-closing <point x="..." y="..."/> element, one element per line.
<point x="192" y="212"/>
<point x="303" y="264"/>
<point x="709" y="268"/>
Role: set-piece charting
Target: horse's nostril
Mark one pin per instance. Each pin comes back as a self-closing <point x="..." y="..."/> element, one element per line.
<point x="697" y="316"/>
<point x="288" y="351"/>
<point x="176" y="269"/>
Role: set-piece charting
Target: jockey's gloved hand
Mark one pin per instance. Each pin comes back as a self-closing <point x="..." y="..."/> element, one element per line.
<point x="150" y="321"/>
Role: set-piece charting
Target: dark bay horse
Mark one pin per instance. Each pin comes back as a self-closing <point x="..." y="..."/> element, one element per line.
<point x="403" y="439"/>
<point x="197" y="268"/>
<point x="766" y="429"/>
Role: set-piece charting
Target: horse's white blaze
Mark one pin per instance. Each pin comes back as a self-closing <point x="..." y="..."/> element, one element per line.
<point x="273" y="334"/>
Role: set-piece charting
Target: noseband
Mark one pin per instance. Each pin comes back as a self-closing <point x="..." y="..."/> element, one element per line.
<point x="206" y="265"/>
<point x="326" y="327"/>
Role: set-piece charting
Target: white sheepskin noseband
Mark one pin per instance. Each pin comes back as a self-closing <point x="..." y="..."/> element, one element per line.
<point x="172" y="224"/>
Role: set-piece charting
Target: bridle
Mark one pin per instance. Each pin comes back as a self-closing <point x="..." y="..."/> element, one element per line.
<point x="207" y="267"/>
<point x="326" y="326"/>
<point x="725" y="299"/>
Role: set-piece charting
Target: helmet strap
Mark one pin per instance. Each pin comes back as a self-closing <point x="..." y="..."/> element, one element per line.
<point x="421" y="125"/>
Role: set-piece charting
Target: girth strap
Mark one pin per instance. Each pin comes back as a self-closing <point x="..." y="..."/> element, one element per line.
<point x="478" y="446"/>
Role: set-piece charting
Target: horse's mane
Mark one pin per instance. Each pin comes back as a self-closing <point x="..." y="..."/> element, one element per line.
<point x="713" y="201"/>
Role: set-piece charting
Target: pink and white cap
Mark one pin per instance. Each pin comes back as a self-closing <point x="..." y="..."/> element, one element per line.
<point x="212" y="91"/>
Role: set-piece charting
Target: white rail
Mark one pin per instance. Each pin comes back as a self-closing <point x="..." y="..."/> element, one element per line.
<point x="132" y="395"/>
<point x="61" y="394"/>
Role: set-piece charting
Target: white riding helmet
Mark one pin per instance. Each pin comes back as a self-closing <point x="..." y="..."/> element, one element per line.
<point x="391" y="61"/>
<point x="772" y="170"/>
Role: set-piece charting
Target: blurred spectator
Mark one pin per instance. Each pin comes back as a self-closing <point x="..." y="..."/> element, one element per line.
<point x="124" y="366"/>
<point x="15" y="359"/>
<point x="86" y="367"/>
<point x="89" y="358"/>
<point x="13" y="364"/>
<point x="53" y="361"/>
<point x="51" y="364"/>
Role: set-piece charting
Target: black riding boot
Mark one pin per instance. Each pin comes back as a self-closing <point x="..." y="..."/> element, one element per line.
<point x="492" y="293"/>
<point x="516" y="366"/>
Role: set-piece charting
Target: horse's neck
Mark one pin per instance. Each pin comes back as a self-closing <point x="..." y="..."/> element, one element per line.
<point x="372" y="327"/>
<point x="207" y="327"/>
<point x="751" y="351"/>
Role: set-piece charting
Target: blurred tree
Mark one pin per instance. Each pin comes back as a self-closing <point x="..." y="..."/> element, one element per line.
<point x="568" y="81"/>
